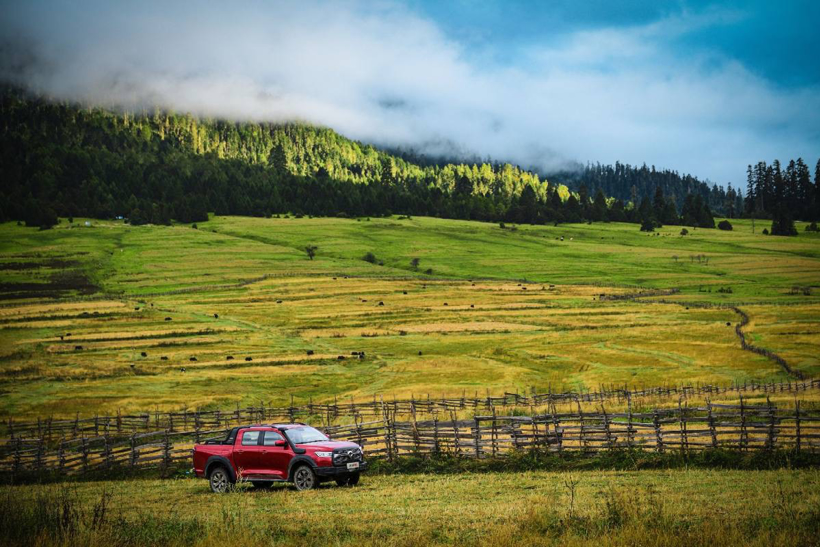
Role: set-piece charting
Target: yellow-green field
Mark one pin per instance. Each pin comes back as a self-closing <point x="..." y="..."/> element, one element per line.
<point x="674" y="507"/>
<point x="501" y="309"/>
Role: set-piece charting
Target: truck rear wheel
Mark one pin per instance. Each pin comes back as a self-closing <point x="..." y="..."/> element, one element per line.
<point x="348" y="480"/>
<point x="304" y="478"/>
<point x="220" y="480"/>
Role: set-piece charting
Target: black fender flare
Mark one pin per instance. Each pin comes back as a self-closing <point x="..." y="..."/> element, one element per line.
<point x="295" y="461"/>
<point x="213" y="461"/>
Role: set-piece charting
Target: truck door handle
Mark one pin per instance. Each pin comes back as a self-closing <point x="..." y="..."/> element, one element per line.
<point x="264" y="452"/>
<point x="239" y="451"/>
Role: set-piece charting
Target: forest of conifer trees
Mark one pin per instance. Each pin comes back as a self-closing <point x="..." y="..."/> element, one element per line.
<point x="64" y="160"/>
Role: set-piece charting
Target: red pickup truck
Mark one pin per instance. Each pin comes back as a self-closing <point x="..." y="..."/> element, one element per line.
<point x="265" y="454"/>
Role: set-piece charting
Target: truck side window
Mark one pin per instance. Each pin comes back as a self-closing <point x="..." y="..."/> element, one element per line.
<point x="271" y="437"/>
<point x="250" y="438"/>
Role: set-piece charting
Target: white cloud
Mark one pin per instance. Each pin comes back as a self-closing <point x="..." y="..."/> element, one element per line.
<point x="379" y="73"/>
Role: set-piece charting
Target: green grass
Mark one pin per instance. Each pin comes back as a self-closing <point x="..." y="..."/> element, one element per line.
<point x="503" y="326"/>
<point x="664" y="507"/>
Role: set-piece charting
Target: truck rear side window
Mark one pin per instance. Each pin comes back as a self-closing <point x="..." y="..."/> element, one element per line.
<point x="250" y="438"/>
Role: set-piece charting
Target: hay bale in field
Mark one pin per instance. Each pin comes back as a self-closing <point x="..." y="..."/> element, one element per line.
<point x="248" y="358"/>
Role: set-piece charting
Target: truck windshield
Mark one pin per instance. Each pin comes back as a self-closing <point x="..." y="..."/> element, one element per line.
<point x="304" y="435"/>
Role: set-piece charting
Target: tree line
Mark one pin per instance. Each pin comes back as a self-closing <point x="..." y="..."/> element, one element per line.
<point x="66" y="160"/>
<point x="783" y="195"/>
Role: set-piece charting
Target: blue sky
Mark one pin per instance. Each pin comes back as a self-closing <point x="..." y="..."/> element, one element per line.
<point x="779" y="41"/>
<point x="700" y="87"/>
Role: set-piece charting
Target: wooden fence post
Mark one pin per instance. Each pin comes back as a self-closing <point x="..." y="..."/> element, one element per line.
<point x="84" y="448"/>
<point x="797" y="423"/>
<point x="166" y="450"/>
<point x="61" y="455"/>
<point x="477" y="435"/>
<point x="770" y="438"/>
<point x="711" y="419"/>
<point x="744" y="435"/>
<point x="658" y="437"/>
<point x="134" y="454"/>
<point x="684" y="435"/>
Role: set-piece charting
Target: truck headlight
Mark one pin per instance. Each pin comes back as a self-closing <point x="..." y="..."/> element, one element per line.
<point x="323" y="454"/>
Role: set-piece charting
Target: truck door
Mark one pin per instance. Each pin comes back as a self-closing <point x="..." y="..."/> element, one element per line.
<point x="276" y="455"/>
<point x="246" y="452"/>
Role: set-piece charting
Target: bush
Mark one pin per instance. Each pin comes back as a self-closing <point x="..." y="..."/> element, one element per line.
<point x="370" y="257"/>
<point x="765" y="232"/>
<point x="812" y="227"/>
<point x="725" y="225"/>
<point x="194" y="226"/>
<point x="684" y="232"/>
<point x="647" y="225"/>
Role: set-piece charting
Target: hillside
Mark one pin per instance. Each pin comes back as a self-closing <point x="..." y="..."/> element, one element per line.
<point x="62" y="160"/>
<point x="486" y="309"/>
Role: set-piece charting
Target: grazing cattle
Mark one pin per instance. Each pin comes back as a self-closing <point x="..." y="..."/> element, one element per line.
<point x="404" y="292"/>
<point x="354" y="353"/>
<point x="68" y="334"/>
<point x="728" y="324"/>
<point x="341" y="358"/>
<point x="419" y="353"/>
<point x="167" y="318"/>
<point x="133" y="365"/>
<point x="472" y="305"/>
<point x="136" y="309"/>
<point x="524" y="288"/>
<point x="248" y="358"/>
<point x="192" y="359"/>
<point x="445" y="303"/>
<point x="144" y="354"/>
<point x="363" y="300"/>
<point x="334" y="279"/>
<point x="164" y="358"/>
<point x="229" y="358"/>
<point x="310" y="352"/>
<point x="278" y="301"/>
<point x="216" y="316"/>
<point x="182" y="369"/>
<point x="381" y="303"/>
<point x="61" y="337"/>
<point x="78" y="347"/>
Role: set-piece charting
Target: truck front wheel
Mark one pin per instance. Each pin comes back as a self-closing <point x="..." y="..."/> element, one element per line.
<point x="304" y="478"/>
<point x="220" y="480"/>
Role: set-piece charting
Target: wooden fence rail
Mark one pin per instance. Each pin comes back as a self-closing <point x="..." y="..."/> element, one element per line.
<point x="686" y="428"/>
<point x="327" y="412"/>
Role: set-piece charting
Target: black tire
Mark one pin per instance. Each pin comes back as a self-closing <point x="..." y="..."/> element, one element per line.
<point x="304" y="478"/>
<point x="348" y="480"/>
<point x="220" y="480"/>
<point x="262" y="485"/>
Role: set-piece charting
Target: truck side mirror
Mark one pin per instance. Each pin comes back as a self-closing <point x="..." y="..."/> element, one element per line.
<point x="280" y="443"/>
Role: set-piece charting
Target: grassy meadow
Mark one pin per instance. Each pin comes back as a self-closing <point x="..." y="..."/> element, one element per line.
<point x="660" y="507"/>
<point x="488" y="309"/>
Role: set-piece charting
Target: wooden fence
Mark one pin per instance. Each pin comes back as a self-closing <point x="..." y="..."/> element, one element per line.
<point x="737" y="427"/>
<point x="327" y="412"/>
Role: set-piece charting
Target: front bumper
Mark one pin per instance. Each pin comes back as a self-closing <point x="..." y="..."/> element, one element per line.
<point x="338" y="470"/>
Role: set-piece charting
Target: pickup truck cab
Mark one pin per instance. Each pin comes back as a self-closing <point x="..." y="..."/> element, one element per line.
<point x="265" y="454"/>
